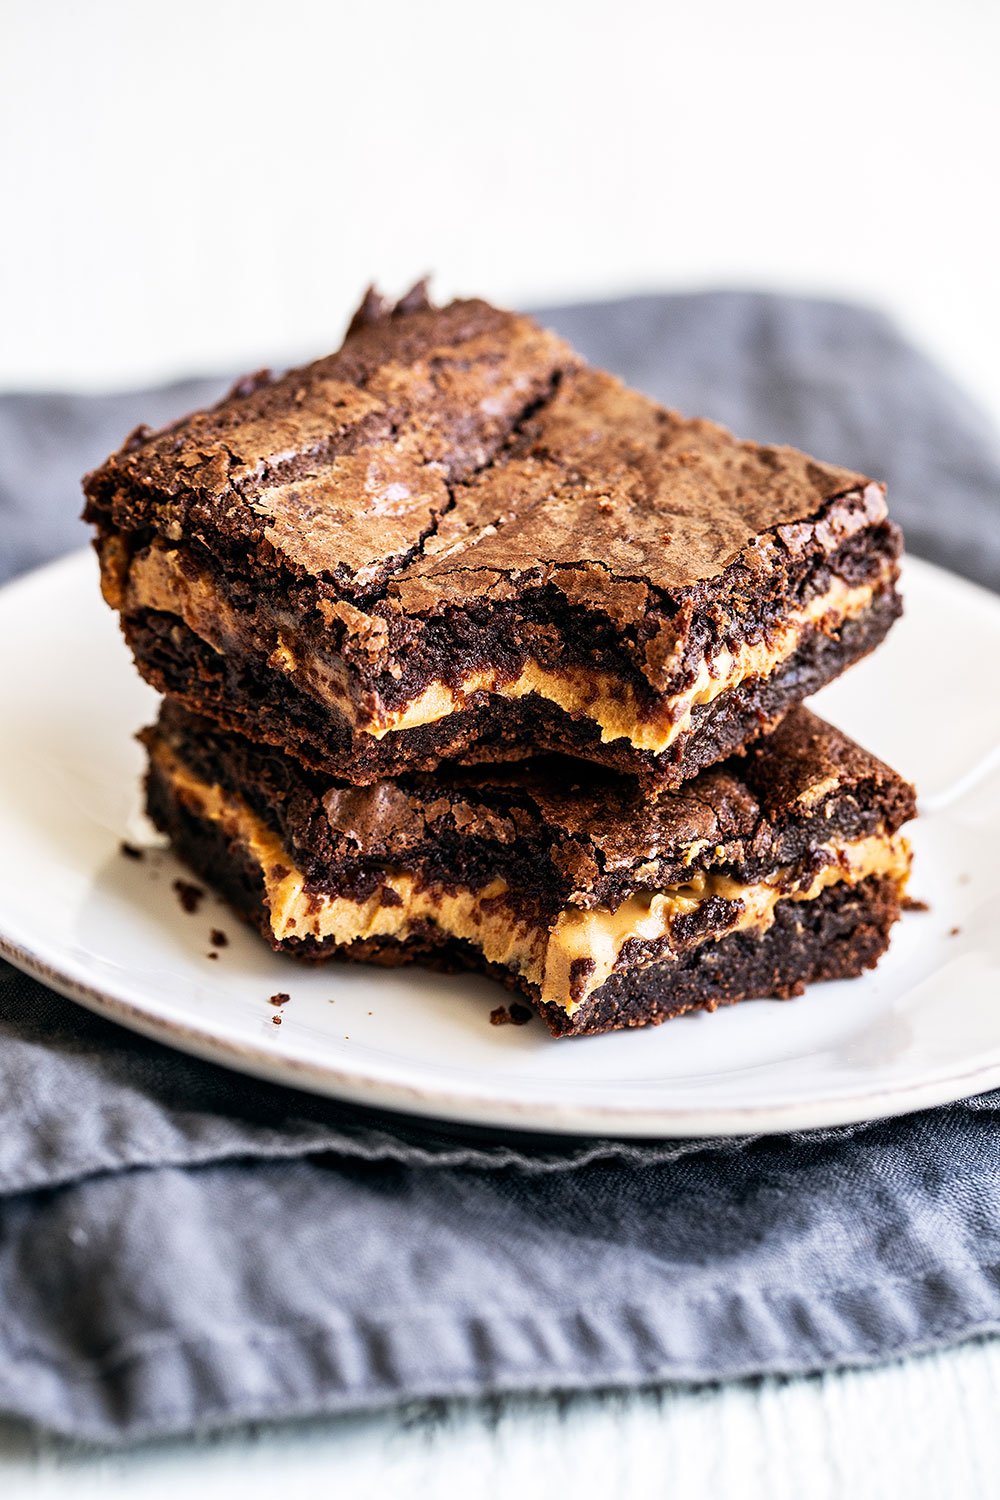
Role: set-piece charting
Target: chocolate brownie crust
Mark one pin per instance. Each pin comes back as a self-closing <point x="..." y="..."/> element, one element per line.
<point x="453" y="448"/>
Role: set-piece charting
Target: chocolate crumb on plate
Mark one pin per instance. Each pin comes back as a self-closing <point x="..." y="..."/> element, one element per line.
<point x="131" y="851"/>
<point x="190" y="896"/>
<point x="514" y="1015"/>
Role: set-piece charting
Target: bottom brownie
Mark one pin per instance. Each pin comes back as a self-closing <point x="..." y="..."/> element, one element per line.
<point x="605" y="908"/>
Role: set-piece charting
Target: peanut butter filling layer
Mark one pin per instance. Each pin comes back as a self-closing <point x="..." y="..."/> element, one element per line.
<point x="157" y="580"/>
<point x="613" y="704"/>
<point x="544" y="956"/>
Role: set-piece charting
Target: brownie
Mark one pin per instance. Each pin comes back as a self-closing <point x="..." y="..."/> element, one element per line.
<point x="603" y="906"/>
<point x="455" y="540"/>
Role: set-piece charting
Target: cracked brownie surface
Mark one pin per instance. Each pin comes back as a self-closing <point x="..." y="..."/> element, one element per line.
<point x="453" y="539"/>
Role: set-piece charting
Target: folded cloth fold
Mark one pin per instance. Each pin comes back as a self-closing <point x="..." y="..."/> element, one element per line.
<point x="181" y="1247"/>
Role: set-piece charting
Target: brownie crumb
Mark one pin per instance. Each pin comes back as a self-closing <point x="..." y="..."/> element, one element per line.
<point x="137" y="437"/>
<point x="275" y="1020"/>
<point x="131" y="851"/>
<point x="218" y="938"/>
<point x="517" y="1015"/>
<point x="247" y="385"/>
<point x="211" y="955"/>
<point x="909" y="903"/>
<point x="281" y="998"/>
<point x="190" y="896"/>
<point x="580" y="971"/>
<point x="955" y="931"/>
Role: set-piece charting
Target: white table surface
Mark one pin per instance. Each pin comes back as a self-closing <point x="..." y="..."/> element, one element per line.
<point x="925" y="1427"/>
<point x="850" y="152"/>
<point x="200" y="184"/>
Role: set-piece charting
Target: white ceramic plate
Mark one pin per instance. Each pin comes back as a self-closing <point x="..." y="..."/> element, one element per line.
<point x="109" y="932"/>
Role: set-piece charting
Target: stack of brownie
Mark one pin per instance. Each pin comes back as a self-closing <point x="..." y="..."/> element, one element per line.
<point x="474" y="656"/>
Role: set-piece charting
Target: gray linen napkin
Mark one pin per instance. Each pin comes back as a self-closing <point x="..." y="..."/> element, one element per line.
<point x="182" y="1247"/>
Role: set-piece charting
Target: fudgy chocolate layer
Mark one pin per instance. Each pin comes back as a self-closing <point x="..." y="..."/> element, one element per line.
<point x="844" y="931"/>
<point x="389" y="541"/>
<point x="244" y="695"/>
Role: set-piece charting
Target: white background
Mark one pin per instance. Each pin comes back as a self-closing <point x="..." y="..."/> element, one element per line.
<point x="206" y="183"/>
<point x="203" y="184"/>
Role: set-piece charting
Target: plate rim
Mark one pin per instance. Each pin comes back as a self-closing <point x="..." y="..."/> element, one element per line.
<point x="440" y="1100"/>
<point x="544" y="1118"/>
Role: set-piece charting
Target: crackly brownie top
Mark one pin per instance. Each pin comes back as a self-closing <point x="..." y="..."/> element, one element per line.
<point x="451" y="452"/>
<point x="568" y="831"/>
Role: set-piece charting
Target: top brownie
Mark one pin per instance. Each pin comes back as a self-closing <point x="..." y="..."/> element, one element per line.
<point x="454" y="539"/>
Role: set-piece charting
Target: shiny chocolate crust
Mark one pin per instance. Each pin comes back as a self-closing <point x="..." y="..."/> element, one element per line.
<point x="553" y="836"/>
<point x="453" y="494"/>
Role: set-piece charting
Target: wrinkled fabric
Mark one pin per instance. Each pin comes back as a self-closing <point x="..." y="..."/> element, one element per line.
<point x="181" y="1247"/>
